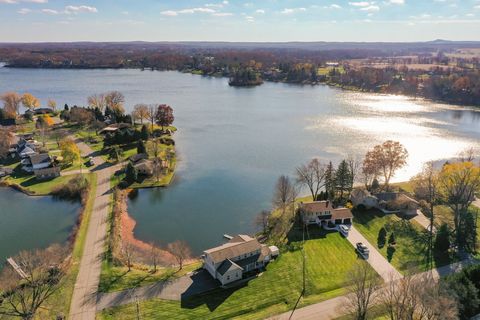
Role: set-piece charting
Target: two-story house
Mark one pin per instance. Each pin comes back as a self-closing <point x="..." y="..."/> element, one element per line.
<point x="241" y="254"/>
<point x="36" y="162"/>
<point x="323" y="212"/>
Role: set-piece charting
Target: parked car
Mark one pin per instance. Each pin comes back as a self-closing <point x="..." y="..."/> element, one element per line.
<point x="90" y="161"/>
<point x="343" y="229"/>
<point x="363" y="250"/>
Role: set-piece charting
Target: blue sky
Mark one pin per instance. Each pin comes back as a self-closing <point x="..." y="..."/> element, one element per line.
<point x="234" y="20"/>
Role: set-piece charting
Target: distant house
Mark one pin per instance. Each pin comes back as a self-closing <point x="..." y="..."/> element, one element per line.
<point x="323" y="213"/>
<point x="43" y="110"/>
<point x="23" y="148"/>
<point x="36" y="162"/>
<point x="144" y="167"/>
<point x="47" y="173"/>
<point x="5" y="172"/>
<point x="7" y="122"/>
<point x="387" y="202"/>
<point x="137" y="157"/>
<point x="229" y="262"/>
<point x="115" y="127"/>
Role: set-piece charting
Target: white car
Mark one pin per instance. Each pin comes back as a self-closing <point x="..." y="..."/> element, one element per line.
<point x="343" y="229"/>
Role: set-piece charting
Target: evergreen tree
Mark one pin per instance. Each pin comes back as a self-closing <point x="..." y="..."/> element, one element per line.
<point x="442" y="240"/>
<point x="382" y="237"/>
<point x="141" y="147"/>
<point x="342" y="178"/>
<point x="391" y="239"/>
<point x="330" y="180"/>
<point x="144" y="132"/>
<point x="131" y="173"/>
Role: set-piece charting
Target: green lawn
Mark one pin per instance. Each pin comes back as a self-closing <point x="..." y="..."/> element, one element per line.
<point x="35" y="187"/>
<point x="329" y="258"/>
<point x="410" y="237"/>
<point x="59" y="302"/>
<point x="115" y="278"/>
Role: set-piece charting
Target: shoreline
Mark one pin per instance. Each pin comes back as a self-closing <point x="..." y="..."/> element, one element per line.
<point x="310" y="83"/>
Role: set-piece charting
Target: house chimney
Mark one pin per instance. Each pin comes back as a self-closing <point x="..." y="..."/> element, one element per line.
<point x="328" y="203"/>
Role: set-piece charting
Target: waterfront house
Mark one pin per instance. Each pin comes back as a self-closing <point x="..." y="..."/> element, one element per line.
<point x="324" y="213"/>
<point x="137" y="157"/>
<point x="387" y="202"/>
<point x="241" y="254"/>
<point x="144" y="167"/>
<point x="47" y="173"/>
<point x="36" y="162"/>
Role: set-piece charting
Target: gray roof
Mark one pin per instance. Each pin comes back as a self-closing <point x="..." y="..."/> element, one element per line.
<point x="50" y="170"/>
<point x="239" y="245"/>
<point x="40" y="158"/>
<point x="137" y="157"/>
<point x="228" y="265"/>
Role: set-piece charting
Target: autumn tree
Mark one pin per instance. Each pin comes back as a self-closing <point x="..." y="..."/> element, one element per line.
<point x="5" y="142"/>
<point x="22" y="295"/>
<point x="81" y="116"/>
<point x="312" y="176"/>
<point x="11" y="102"/>
<point x="43" y="124"/>
<point x="70" y="152"/>
<point x="97" y="101"/>
<point x="363" y="288"/>
<point x="151" y="114"/>
<point x="114" y="101"/>
<point x="164" y="116"/>
<point x="52" y="104"/>
<point x="386" y="159"/>
<point x="141" y="112"/>
<point x="459" y="182"/>
<point x="181" y="251"/>
<point x="29" y="101"/>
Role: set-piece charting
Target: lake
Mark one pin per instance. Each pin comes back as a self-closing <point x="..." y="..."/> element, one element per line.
<point x="233" y="143"/>
<point x="33" y="222"/>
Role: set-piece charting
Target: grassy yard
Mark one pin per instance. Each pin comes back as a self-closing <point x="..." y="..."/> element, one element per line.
<point x="410" y="237"/>
<point x="115" y="278"/>
<point x="329" y="258"/>
<point x="59" y="302"/>
<point x="35" y="187"/>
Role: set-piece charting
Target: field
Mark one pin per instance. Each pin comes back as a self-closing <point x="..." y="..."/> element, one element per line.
<point x="329" y="257"/>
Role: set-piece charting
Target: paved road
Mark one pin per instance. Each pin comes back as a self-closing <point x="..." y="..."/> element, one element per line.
<point x="174" y="289"/>
<point x="423" y="220"/>
<point x="334" y="308"/>
<point x="83" y="305"/>
<point x="376" y="260"/>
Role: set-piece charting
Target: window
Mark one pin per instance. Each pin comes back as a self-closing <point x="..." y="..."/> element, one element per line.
<point x="228" y="277"/>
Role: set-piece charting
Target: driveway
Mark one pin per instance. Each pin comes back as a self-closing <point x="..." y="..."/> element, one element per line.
<point x="423" y="220"/>
<point x="175" y="289"/>
<point x="376" y="260"/>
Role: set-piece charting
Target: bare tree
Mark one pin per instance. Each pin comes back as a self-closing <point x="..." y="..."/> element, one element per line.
<point x="25" y="290"/>
<point x="261" y="220"/>
<point x="181" y="251"/>
<point x="154" y="256"/>
<point x="127" y="254"/>
<point x="151" y="114"/>
<point x="354" y="165"/>
<point x="435" y="302"/>
<point x="52" y="104"/>
<point x="426" y="187"/>
<point x="11" y="102"/>
<point x="284" y="193"/>
<point x="312" y="175"/>
<point x="97" y="101"/>
<point x="386" y="158"/>
<point x="363" y="290"/>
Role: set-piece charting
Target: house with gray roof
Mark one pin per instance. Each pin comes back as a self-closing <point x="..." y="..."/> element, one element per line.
<point x="241" y="254"/>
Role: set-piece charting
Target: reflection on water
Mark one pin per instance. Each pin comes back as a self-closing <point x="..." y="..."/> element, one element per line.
<point x="234" y="143"/>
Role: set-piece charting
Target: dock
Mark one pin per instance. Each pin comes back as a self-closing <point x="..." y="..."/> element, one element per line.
<point x="227" y="236"/>
<point x="17" y="268"/>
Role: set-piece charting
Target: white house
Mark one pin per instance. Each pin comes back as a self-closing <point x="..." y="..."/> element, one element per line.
<point x="323" y="212"/>
<point x="230" y="261"/>
<point x="387" y="202"/>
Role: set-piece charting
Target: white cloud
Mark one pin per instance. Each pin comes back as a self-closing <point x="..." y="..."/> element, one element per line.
<point x="293" y="10"/>
<point x="250" y="18"/>
<point x="397" y="1"/>
<point x="24" y="11"/>
<point x="470" y="15"/>
<point x="260" y="11"/>
<point x="335" y="6"/>
<point x="169" y="13"/>
<point x="372" y="8"/>
<point x="50" y="11"/>
<point x="172" y="13"/>
<point x="18" y="1"/>
<point x="360" y="4"/>
<point x="80" y="9"/>
<point x="222" y="14"/>
<point x="477" y="7"/>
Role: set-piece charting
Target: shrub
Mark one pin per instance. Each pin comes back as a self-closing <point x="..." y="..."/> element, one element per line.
<point x="391" y="239"/>
<point x="75" y="189"/>
<point x="382" y="237"/>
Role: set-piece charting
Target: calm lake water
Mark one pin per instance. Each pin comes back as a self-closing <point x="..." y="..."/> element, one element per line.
<point x="234" y="142"/>
<point x="33" y="222"/>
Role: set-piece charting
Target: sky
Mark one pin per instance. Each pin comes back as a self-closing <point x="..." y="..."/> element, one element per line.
<point x="234" y="20"/>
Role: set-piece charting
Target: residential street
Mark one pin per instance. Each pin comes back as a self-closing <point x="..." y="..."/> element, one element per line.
<point x="376" y="260"/>
<point x="83" y="305"/>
